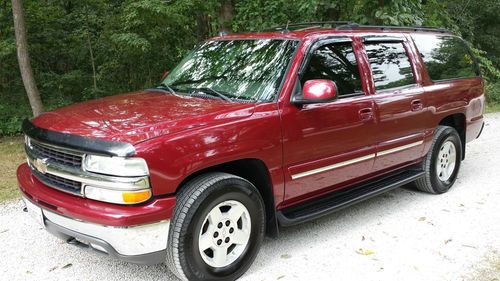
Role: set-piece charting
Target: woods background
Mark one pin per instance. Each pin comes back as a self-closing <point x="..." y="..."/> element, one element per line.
<point x="87" y="49"/>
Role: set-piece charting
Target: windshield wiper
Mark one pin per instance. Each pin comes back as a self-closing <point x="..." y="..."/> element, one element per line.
<point x="165" y="85"/>
<point x="212" y="92"/>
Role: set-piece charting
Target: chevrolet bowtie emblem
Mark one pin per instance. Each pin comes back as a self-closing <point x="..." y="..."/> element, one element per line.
<point x="40" y="165"/>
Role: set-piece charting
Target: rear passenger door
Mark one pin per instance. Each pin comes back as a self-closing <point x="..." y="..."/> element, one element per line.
<point x="399" y="102"/>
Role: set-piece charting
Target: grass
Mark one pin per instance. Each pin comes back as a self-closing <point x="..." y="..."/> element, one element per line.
<point x="492" y="107"/>
<point x="11" y="155"/>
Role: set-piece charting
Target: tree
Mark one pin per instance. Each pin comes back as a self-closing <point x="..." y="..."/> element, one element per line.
<point x="226" y="15"/>
<point x="23" y="58"/>
<point x="82" y="50"/>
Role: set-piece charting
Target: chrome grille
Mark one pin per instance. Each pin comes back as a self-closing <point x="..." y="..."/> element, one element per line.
<point x="58" y="182"/>
<point x="52" y="155"/>
<point x="55" y="155"/>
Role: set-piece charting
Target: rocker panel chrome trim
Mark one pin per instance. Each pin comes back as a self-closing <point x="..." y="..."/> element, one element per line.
<point x="355" y="160"/>
<point x="334" y="166"/>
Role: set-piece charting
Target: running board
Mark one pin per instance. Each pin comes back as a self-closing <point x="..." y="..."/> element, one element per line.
<point x="346" y="197"/>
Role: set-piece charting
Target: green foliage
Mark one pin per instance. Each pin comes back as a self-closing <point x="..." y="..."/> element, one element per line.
<point x="493" y="92"/>
<point x="133" y="41"/>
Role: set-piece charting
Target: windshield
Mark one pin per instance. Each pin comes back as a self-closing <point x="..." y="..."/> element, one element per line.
<point x="238" y="69"/>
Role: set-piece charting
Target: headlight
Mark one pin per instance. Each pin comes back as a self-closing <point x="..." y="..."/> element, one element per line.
<point x="129" y="183"/>
<point x="117" y="196"/>
<point x="116" y="166"/>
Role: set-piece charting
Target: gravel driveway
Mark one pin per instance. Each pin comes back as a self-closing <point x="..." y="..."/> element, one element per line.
<point x="401" y="235"/>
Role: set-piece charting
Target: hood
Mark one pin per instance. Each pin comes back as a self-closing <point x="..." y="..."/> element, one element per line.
<point x="138" y="116"/>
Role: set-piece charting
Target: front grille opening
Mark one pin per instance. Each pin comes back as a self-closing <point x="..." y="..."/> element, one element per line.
<point x="56" y="156"/>
<point x="59" y="183"/>
<point x="59" y="156"/>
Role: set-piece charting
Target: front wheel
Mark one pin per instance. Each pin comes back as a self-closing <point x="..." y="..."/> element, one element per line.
<point x="217" y="228"/>
<point x="442" y="163"/>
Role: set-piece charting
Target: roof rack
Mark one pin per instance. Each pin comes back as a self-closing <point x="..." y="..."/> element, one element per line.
<point x="350" y="25"/>
<point x="355" y="26"/>
<point x="307" y="25"/>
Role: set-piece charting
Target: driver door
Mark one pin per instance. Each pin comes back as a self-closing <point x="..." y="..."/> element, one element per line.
<point x="328" y="144"/>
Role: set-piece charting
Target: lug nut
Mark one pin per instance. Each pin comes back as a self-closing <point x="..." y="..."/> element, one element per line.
<point x="231" y="230"/>
<point x="227" y="240"/>
<point x="219" y="225"/>
<point x="227" y="223"/>
<point x="219" y="241"/>
<point x="216" y="234"/>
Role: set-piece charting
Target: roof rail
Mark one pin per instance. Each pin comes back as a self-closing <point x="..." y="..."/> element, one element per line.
<point x="393" y="27"/>
<point x="350" y="25"/>
<point x="306" y="25"/>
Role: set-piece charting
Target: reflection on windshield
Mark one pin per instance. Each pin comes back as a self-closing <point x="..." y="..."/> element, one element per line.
<point x="240" y="69"/>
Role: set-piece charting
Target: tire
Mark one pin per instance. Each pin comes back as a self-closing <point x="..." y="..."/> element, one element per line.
<point x="439" y="174"/>
<point x="196" y="219"/>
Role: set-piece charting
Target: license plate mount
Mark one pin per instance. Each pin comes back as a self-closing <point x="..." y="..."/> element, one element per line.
<point x="34" y="211"/>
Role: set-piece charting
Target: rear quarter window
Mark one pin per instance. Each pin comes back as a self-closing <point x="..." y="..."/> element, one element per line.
<point x="446" y="57"/>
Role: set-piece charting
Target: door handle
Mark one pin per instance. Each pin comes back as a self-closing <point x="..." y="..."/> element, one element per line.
<point x="365" y="114"/>
<point x="416" y="105"/>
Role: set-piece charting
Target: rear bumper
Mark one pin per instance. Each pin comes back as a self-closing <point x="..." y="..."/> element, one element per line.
<point x="480" y="131"/>
<point x="135" y="234"/>
<point x="474" y="128"/>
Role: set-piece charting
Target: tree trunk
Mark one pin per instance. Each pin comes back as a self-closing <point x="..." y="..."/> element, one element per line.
<point x="381" y="4"/>
<point x="201" y="26"/>
<point x="24" y="60"/>
<point x="92" y="61"/>
<point x="226" y="15"/>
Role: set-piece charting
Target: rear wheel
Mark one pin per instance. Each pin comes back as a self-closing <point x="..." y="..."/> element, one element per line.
<point x="442" y="163"/>
<point x="217" y="228"/>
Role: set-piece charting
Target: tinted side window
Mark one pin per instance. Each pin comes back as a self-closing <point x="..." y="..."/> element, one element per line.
<point x="335" y="62"/>
<point x="390" y="65"/>
<point x="445" y="57"/>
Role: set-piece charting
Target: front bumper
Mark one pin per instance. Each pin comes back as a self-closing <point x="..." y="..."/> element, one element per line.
<point x="136" y="233"/>
<point x="144" y="244"/>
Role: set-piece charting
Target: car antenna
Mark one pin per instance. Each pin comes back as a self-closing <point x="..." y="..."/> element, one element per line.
<point x="285" y="30"/>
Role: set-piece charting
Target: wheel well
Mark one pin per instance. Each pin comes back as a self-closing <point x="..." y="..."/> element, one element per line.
<point x="256" y="172"/>
<point x="456" y="121"/>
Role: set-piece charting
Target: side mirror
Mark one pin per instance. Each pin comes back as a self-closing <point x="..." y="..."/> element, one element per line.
<point x="317" y="91"/>
<point x="164" y="75"/>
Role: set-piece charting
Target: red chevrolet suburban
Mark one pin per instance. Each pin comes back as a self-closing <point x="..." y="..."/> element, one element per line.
<point x="249" y="133"/>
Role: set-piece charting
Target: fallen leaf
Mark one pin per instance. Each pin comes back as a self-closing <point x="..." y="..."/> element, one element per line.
<point x="286" y="256"/>
<point x="422" y="219"/>
<point x="52" y="269"/>
<point x="448" y="241"/>
<point x="363" y="238"/>
<point x="280" y="277"/>
<point x="365" y="252"/>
